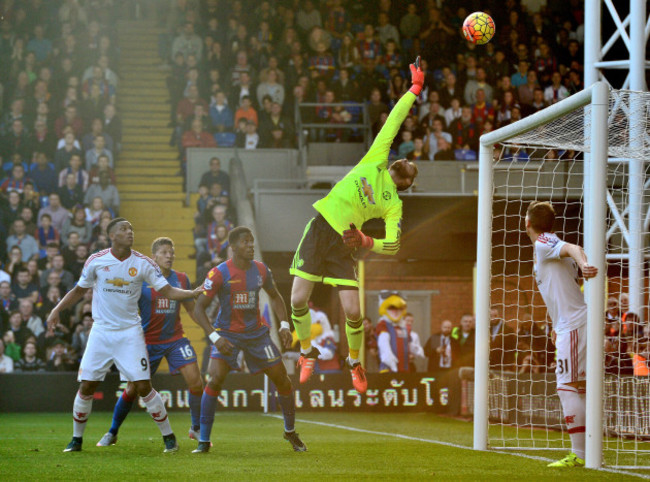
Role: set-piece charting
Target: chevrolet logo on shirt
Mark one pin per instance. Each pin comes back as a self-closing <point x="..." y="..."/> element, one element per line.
<point x="118" y="282"/>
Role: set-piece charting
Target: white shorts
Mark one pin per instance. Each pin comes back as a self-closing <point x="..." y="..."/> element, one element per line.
<point x="125" y="347"/>
<point x="571" y="356"/>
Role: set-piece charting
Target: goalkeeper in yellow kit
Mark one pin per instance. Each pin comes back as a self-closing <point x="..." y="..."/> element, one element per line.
<point x="326" y="251"/>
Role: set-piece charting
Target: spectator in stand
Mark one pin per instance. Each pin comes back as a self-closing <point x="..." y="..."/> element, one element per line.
<point x="71" y="193"/>
<point x="94" y="210"/>
<point x="60" y="360"/>
<point x="521" y="76"/>
<point x="97" y="129"/>
<point x="321" y="65"/>
<point x="56" y="211"/>
<point x="28" y="318"/>
<point x="6" y="363"/>
<point x="64" y="154"/>
<point x="77" y="223"/>
<point x="16" y="141"/>
<point x="81" y="256"/>
<point x="103" y="165"/>
<point x="246" y="111"/>
<point x="93" y="104"/>
<point x="46" y="233"/>
<point x="221" y="114"/>
<point x="15" y="182"/>
<point x="188" y="43"/>
<point x="20" y="333"/>
<point x="12" y="349"/>
<point x="215" y="175"/>
<point x="442" y="350"/>
<point x="197" y="137"/>
<point x="99" y="149"/>
<point x="464" y="131"/>
<point x="113" y="125"/>
<point x="433" y="137"/>
<point x="545" y="64"/>
<point x="244" y="88"/>
<point x="42" y="139"/>
<point x="29" y="362"/>
<point x="272" y="88"/>
<point x="525" y="91"/>
<point x="406" y="146"/>
<point x="249" y="138"/>
<point x="308" y="17"/>
<point x="26" y="242"/>
<point x="276" y="121"/>
<point x="482" y="111"/>
<point x="106" y="191"/>
<point x="70" y="244"/>
<point x="58" y="268"/>
<point x="185" y="107"/>
<point x="464" y="336"/>
<point x="474" y="85"/>
<point x="75" y="168"/>
<point x="43" y="174"/>
<point x="556" y="91"/>
<point x="70" y="118"/>
<point x="11" y="210"/>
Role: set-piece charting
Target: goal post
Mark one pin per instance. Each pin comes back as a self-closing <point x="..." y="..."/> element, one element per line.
<point x="595" y="100"/>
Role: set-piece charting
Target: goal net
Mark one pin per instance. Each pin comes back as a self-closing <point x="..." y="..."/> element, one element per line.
<point x="551" y="162"/>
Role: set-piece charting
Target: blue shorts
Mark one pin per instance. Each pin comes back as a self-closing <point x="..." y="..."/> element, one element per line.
<point x="259" y="351"/>
<point x="178" y="353"/>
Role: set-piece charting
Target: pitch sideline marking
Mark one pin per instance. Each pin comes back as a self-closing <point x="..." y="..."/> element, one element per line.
<point x="449" y="444"/>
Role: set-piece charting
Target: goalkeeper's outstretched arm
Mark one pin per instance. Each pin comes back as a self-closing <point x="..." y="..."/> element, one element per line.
<point x="378" y="152"/>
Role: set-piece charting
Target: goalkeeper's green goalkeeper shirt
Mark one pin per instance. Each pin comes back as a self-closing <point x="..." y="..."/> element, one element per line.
<point x="368" y="191"/>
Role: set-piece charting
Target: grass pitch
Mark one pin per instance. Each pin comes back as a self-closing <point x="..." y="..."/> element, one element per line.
<point x="251" y="447"/>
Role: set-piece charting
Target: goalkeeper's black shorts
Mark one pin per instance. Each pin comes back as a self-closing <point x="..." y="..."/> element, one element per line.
<point x="323" y="257"/>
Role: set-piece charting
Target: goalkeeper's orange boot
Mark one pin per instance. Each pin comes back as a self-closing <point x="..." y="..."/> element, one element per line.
<point x="306" y="363"/>
<point x="359" y="381"/>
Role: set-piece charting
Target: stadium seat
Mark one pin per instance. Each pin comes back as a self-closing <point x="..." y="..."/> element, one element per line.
<point x="225" y="139"/>
<point x="465" y="155"/>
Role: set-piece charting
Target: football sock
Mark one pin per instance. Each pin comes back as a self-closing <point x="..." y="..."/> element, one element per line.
<point x="573" y="406"/>
<point x="288" y="404"/>
<point x="122" y="409"/>
<point x="195" y="409"/>
<point x="208" y="407"/>
<point x="302" y="323"/>
<point x="83" y="405"/>
<point x="354" y="333"/>
<point x="156" y="408"/>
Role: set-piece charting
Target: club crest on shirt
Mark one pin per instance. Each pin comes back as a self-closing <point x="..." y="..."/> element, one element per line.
<point x="207" y="284"/>
<point x="133" y="271"/>
<point x="260" y="282"/>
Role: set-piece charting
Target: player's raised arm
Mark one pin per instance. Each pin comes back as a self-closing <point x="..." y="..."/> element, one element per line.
<point x="576" y="252"/>
<point x="378" y="152"/>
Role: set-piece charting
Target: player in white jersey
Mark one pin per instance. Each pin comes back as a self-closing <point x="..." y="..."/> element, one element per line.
<point x="116" y="276"/>
<point x="556" y="265"/>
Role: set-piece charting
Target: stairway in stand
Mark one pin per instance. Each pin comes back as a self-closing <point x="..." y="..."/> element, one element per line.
<point x="147" y="172"/>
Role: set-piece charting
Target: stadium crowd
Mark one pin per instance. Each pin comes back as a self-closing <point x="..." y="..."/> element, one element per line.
<point x="238" y="71"/>
<point x="59" y="136"/>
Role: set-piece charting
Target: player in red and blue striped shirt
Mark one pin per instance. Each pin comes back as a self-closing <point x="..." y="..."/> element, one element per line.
<point x="240" y="327"/>
<point x="164" y="336"/>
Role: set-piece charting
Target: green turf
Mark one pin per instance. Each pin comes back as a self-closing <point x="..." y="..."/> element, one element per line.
<point x="250" y="446"/>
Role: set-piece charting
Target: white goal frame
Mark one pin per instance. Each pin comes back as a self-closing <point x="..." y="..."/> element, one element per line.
<point x="595" y="188"/>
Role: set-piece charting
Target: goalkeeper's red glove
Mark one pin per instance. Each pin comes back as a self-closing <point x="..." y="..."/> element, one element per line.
<point x="353" y="238"/>
<point x="417" y="77"/>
